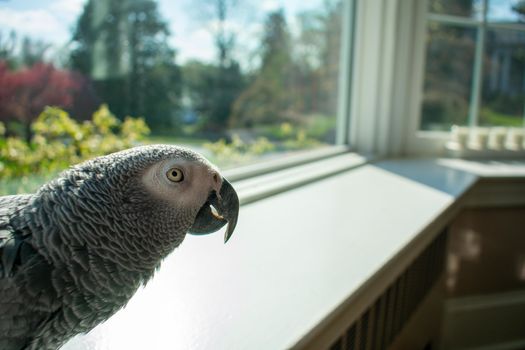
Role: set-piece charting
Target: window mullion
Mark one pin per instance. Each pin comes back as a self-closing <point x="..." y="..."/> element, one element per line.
<point x="477" y="79"/>
<point x="507" y="26"/>
<point x="345" y="76"/>
<point x="523" y="102"/>
<point x="453" y="20"/>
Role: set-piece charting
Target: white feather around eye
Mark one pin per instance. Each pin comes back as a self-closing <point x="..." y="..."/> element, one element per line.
<point x="179" y="181"/>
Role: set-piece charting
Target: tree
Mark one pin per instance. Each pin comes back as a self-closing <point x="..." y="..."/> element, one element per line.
<point x="25" y="93"/>
<point x="198" y="82"/>
<point x="224" y="39"/>
<point x="84" y="36"/>
<point x="457" y="7"/>
<point x="32" y="51"/>
<point x="519" y="8"/>
<point x="271" y="97"/>
<point x="20" y="52"/>
<point x="228" y="83"/>
<point x="7" y="48"/>
<point x="318" y="54"/>
<point x="448" y="76"/>
<point x="226" y="79"/>
<point x="123" y="47"/>
<point x="6" y="90"/>
<point x="220" y="11"/>
<point x="210" y="91"/>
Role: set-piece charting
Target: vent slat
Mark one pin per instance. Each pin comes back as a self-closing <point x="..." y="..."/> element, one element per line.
<point x="338" y="345"/>
<point x="398" y="304"/>
<point x="351" y="338"/>
<point x="363" y="339"/>
<point x="391" y="309"/>
<point x="376" y="324"/>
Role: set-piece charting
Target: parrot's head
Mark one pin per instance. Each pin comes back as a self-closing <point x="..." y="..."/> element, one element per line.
<point x="184" y="179"/>
<point x="161" y="192"/>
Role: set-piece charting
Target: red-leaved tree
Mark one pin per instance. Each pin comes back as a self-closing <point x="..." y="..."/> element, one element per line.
<point x="6" y="90"/>
<point x="25" y="93"/>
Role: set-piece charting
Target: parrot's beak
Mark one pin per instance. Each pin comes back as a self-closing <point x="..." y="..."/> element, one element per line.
<point x="218" y="211"/>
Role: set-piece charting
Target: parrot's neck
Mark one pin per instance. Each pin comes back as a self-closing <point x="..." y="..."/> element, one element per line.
<point x="135" y="239"/>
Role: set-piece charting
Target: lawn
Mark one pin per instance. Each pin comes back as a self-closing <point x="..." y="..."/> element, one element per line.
<point x="489" y="117"/>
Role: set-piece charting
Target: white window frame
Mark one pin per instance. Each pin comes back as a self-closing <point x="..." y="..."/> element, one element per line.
<point x="264" y="179"/>
<point x="387" y="82"/>
<point x="389" y="69"/>
<point x="421" y="142"/>
<point x="481" y="25"/>
<point x="343" y="143"/>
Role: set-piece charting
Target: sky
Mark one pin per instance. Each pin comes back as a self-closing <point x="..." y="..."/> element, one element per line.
<point x="191" y="28"/>
<point x="53" y="20"/>
<point x="501" y="9"/>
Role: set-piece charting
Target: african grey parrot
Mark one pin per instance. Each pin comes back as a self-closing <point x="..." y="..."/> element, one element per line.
<point x="73" y="253"/>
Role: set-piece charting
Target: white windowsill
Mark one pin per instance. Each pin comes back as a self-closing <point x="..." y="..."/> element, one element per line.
<point x="297" y="259"/>
<point x="284" y="161"/>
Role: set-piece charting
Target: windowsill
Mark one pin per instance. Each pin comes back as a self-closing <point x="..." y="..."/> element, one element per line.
<point x="285" y="161"/>
<point x="297" y="259"/>
<point x="255" y="188"/>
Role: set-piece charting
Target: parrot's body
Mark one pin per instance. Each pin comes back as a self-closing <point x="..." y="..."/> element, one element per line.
<point x="75" y="252"/>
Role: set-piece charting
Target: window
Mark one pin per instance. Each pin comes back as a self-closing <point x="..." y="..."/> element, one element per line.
<point x="241" y="81"/>
<point x="475" y="64"/>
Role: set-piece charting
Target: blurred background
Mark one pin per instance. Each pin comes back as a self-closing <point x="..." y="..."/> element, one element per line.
<point x="235" y="79"/>
<point x="475" y="64"/>
<point x="245" y="81"/>
<point x="238" y="80"/>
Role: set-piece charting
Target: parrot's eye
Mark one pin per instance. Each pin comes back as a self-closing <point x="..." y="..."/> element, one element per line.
<point x="175" y="175"/>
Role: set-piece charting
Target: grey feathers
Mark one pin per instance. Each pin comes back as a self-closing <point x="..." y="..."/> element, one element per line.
<point x="73" y="253"/>
<point x="11" y="238"/>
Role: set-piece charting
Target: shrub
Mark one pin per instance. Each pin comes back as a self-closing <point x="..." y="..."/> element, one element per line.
<point x="59" y="141"/>
<point x="238" y="151"/>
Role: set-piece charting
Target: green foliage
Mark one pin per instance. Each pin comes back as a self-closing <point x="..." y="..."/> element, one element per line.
<point x="272" y="96"/>
<point x="317" y="127"/>
<point x="322" y="128"/>
<point x="489" y="117"/>
<point x="210" y="91"/>
<point x="519" y="8"/>
<point x="281" y="138"/>
<point x="21" y="51"/>
<point x="280" y="132"/>
<point x="238" y="151"/>
<point x="301" y="141"/>
<point x="60" y="141"/>
<point x="447" y="77"/>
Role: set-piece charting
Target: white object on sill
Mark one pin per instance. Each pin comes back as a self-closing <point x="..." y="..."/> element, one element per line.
<point x="480" y="142"/>
<point x="497" y="138"/>
<point x="515" y="138"/>
<point x="478" y="139"/>
<point x="458" y="137"/>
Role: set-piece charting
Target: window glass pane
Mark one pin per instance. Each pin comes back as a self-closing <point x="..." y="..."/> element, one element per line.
<point x="503" y="96"/>
<point x="506" y="11"/>
<point x="239" y="80"/>
<point x="448" y="76"/>
<point x="463" y="8"/>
